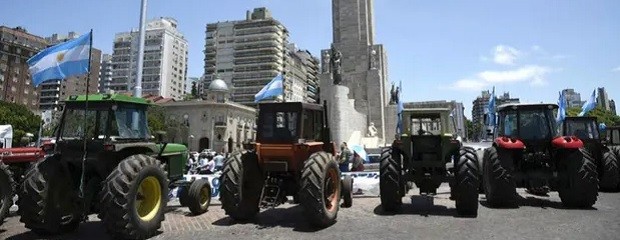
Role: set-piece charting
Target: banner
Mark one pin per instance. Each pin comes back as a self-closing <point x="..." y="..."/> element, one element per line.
<point x="364" y="184"/>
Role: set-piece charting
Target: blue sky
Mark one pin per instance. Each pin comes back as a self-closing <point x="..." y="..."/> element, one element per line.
<point x="439" y="49"/>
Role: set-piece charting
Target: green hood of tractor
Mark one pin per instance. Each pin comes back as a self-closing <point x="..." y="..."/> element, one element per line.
<point x="174" y="148"/>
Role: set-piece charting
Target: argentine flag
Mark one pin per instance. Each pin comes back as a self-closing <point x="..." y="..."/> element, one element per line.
<point x="562" y="108"/>
<point x="272" y="89"/>
<point x="61" y="61"/>
<point x="589" y="105"/>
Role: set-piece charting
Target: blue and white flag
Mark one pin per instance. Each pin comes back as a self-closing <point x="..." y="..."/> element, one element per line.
<point x="491" y="109"/>
<point x="61" y="61"/>
<point x="562" y="108"/>
<point x="272" y="89"/>
<point x="589" y="105"/>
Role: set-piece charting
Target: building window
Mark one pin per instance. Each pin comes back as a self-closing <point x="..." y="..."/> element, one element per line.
<point x="5" y="48"/>
<point x="19" y="50"/>
<point x="17" y="60"/>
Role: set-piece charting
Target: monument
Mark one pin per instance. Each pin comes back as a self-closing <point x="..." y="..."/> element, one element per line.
<point x="354" y="75"/>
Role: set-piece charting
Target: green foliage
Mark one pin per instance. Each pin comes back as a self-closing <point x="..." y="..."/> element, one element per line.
<point x="602" y="116"/>
<point x="156" y="118"/>
<point x="23" y="120"/>
<point x="194" y="89"/>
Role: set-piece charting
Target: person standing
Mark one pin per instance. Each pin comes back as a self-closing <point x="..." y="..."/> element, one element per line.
<point x="358" y="163"/>
<point x="343" y="157"/>
<point x="219" y="161"/>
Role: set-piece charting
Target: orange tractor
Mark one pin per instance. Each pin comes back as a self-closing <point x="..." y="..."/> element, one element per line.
<point x="293" y="156"/>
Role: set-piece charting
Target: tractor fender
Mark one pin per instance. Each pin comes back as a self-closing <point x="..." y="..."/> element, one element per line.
<point x="508" y="143"/>
<point x="566" y="142"/>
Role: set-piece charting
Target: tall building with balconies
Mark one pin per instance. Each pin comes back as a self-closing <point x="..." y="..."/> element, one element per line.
<point x="55" y="91"/>
<point x="16" y="47"/>
<point x="164" y="71"/>
<point x="602" y="100"/>
<point x="248" y="54"/>
<point x="573" y="99"/>
<point x="105" y="74"/>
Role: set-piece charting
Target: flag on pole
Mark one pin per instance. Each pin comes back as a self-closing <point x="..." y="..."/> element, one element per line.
<point x="562" y="108"/>
<point x="589" y="105"/>
<point x="491" y="109"/>
<point x="61" y="61"/>
<point x="272" y="89"/>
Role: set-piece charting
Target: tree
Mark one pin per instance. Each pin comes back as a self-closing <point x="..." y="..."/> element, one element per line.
<point x="194" y="89"/>
<point x="23" y="120"/>
<point x="602" y="115"/>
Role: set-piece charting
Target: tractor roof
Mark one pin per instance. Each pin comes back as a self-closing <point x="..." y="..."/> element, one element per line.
<point x="516" y="106"/>
<point x="101" y="98"/>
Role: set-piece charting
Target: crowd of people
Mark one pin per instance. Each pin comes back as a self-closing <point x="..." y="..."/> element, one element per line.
<point x="205" y="162"/>
<point x="208" y="162"/>
<point x="347" y="157"/>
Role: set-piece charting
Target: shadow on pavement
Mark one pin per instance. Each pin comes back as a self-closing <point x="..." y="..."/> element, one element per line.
<point x="292" y="217"/>
<point x="88" y="230"/>
<point x="530" y="201"/>
<point x="420" y="205"/>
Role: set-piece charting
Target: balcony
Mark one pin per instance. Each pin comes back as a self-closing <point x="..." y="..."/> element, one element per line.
<point x="220" y="124"/>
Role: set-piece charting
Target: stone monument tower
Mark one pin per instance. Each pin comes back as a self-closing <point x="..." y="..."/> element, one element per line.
<point x="361" y="72"/>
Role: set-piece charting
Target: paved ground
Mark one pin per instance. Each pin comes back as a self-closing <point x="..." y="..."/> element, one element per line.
<point x="536" y="218"/>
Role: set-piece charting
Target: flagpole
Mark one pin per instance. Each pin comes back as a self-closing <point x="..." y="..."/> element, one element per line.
<point x="85" y="127"/>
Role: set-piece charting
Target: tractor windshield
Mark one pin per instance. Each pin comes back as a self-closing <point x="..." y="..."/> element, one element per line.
<point x="74" y="124"/>
<point x="582" y="129"/>
<point x="425" y="126"/>
<point x="531" y="124"/>
<point x="279" y="126"/>
<point x="130" y="123"/>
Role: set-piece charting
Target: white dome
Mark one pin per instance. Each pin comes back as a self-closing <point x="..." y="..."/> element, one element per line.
<point x="218" y="85"/>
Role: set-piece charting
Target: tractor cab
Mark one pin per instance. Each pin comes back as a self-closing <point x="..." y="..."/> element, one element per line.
<point x="584" y="128"/>
<point x="288" y="133"/>
<point x="613" y="136"/>
<point x="533" y="124"/>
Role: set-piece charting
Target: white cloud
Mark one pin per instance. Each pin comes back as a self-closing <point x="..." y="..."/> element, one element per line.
<point x="616" y="69"/>
<point x="527" y="73"/>
<point x="468" y="85"/>
<point x="505" y="55"/>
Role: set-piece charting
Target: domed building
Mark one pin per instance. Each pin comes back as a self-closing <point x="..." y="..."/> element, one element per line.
<point x="214" y="122"/>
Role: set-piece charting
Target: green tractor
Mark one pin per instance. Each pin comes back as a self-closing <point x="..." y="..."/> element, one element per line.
<point x="125" y="175"/>
<point x="423" y="155"/>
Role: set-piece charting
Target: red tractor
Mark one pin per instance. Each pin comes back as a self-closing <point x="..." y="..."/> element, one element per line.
<point x="528" y="153"/>
<point x="13" y="165"/>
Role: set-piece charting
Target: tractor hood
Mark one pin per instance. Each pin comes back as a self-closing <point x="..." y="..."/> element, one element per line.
<point x="173" y="148"/>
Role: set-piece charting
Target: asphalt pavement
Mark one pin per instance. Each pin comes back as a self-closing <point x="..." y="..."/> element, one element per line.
<point x="421" y="218"/>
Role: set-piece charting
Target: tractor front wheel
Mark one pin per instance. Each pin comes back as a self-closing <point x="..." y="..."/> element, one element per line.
<point x="610" y="175"/>
<point x="6" y="191"/>
<point x="578" y="185"/>
<point x="241" y="185"/>
<point x="389" y="180"/>
<point x="134" y="198"/>
<point x="199" y="196"/>
<point x="466" y="182"/>
<point x="320" y="189"/>
<point x="499" y="185"/>
<point x="47" y="201"/>
<point x="347" y="192"/>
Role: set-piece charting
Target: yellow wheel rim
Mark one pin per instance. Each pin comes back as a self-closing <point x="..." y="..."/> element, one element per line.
<point x="148" y="199"/>
<point x="205" y="195"/>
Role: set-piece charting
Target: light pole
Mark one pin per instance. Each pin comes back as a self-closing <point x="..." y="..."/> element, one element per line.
<point x="212" y="132"/>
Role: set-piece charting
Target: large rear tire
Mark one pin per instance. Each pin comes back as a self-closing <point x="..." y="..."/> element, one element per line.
<point x="199" y="196"/>
<point x="320" y="189"/>
<point x="499" y="186"/>
<point x="6" y="191"/>
<point x="578" y="186"/>
<point x="241" y="185"/>
<point x="47" y="200"/>
<point x="389" y="180"/>
<point x="135" y="195"/>
<point x="610" y="175"/>
<point x="466" y="182"/>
